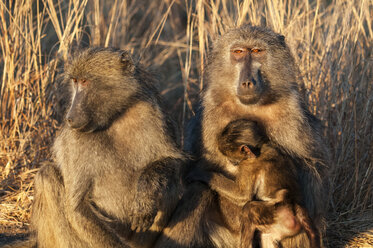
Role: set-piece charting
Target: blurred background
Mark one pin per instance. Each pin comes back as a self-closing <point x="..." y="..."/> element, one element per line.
<point x="331" y="40"/>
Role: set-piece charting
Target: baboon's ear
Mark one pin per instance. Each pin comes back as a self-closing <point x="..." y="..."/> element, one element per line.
<point x="281" y="38"/>
<point x="247" y="151"/>
<point x="127" y="61"/>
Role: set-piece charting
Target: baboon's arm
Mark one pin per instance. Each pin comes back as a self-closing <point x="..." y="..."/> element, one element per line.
<point x="158" y="186"/>
<point x="225" y="187"/>
<point x="229" y="188"/>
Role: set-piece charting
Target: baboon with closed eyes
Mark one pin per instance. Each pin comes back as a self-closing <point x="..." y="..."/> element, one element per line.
<point x="115" y="178"/>
<point x="266" y="187"/>
<point x="251" y="74"/>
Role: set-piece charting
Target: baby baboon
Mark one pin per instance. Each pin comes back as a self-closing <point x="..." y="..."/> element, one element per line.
<point x="250" y="75"/>
<point x="266" y="187"/>
<point x="116" y="175"/>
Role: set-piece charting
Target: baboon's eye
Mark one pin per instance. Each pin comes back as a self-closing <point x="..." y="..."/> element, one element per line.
<point x="257" y="52"/>
<point x="238" y="51"/>
<point x="84" y="82"/>
<point x="75" y="80"/>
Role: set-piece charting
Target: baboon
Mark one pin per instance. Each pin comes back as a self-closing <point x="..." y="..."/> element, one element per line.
<point x="250" y="74"/>
<point x="266" y="175"/>
<point x="115" y="178"/>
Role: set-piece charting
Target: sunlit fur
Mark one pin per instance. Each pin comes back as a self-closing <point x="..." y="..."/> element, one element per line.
<point x="286" y="120"/>
<point x="122" y="173"/>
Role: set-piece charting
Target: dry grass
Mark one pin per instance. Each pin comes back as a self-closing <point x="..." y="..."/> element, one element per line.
<point x="332" y="42"/>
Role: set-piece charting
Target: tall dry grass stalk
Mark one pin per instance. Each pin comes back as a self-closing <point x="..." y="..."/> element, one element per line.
<point x="332" y="41"/>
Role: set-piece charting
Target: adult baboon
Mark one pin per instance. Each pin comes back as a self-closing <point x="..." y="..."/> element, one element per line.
<point x="267" y="175"/>
<point x="116" y="175"/>
<point x="250" y="75"/>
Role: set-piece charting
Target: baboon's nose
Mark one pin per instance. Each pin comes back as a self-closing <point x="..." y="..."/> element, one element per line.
<point x="248" y="84"/>
<point x="247" y="87"/>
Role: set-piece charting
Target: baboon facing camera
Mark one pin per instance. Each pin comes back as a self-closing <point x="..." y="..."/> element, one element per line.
<point x="115" y="179"/>
<point x="266" y="187"/>
<point x="251" y="75"/>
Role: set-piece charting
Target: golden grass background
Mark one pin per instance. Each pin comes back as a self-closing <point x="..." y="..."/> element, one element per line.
<point x="331" y="40"/>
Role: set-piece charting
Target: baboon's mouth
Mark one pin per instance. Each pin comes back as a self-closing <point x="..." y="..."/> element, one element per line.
<point x="248" y="99"/>
<point x="86" y="128"/>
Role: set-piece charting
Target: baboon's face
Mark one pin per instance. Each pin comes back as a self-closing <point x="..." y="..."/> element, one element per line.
<point x="77" y="117"/>
<point x="247" y="61"/>
<point x="102" y="84"/>
<point x="251" y="64"/>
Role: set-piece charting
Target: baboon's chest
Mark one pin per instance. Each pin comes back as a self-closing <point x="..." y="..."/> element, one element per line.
<point x="111" y="194"/>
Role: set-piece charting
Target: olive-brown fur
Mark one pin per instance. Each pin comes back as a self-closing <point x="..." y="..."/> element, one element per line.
<point x="115" y="178"/>
<point x="277" y="106"/>
<point x="266" y="187"/>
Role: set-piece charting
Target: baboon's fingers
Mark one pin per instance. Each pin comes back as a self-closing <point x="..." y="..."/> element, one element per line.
<point x="142" y="223"/>
<point x="135" y="226"/>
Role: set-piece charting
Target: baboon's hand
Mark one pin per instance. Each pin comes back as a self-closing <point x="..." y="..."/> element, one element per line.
<point x="141" y="222"/>
<point x="259" y="212"/>
<point x="144" y="208"/>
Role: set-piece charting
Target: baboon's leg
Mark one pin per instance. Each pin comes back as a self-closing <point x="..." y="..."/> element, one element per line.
<point x="314" y="193"/>
<point x="48" y="216"/>
<point x="247" y="233"/>
<point x="269" y="242"/>
<point x="59" y="223"/>
<point x="187" y="227"/>
<point x="300" y="240"/>
<point x="308" y="226"/>
<point x="87" y="221"/>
